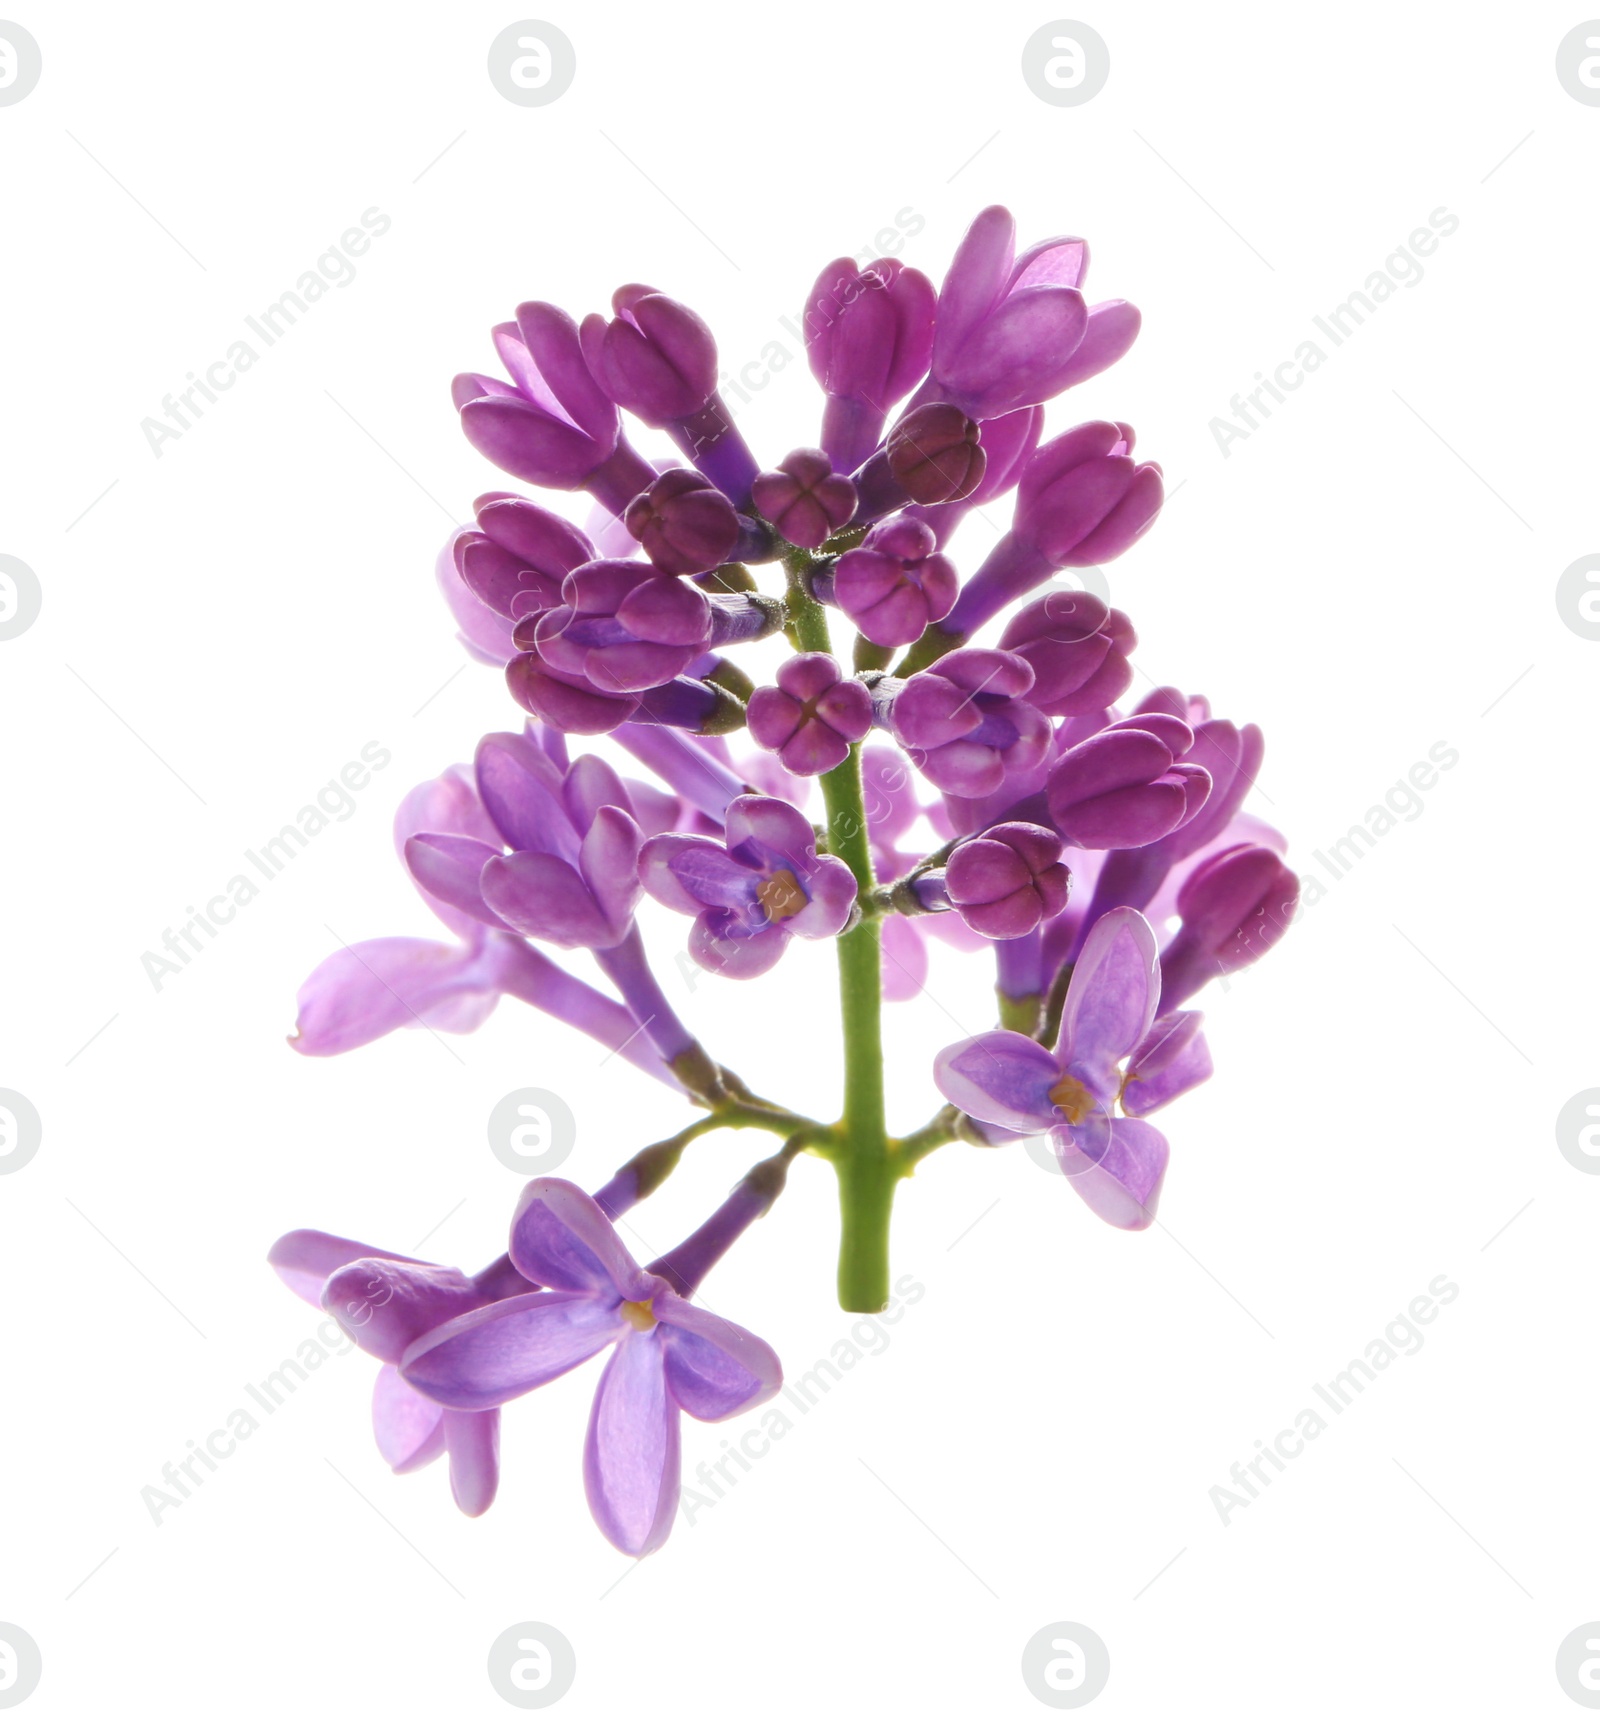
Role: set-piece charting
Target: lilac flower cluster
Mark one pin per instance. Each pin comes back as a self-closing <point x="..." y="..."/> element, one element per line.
<point x="1098" y="849"/>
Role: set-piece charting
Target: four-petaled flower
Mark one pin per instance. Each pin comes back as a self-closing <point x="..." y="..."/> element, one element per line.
<point x="1115" y="1161"/>
<point x="761" y="885"/>
<point x="668" y="1357"/>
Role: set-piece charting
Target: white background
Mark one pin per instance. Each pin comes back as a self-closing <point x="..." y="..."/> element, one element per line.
<point x="1371" y="572"/>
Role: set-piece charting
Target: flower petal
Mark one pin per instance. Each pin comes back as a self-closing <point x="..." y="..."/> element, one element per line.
<point x="303" y="1260"/>
<point x="384" y="1305"/>
<point x="368" y="989"/>
<point x="407" y="1426"/>
<point x="1112" y="998"/>
<point x="1121" y="1180"/>
<point x="493" y="1354"/>
<point x="631" y="1456"/>
<point x="1171" y="1058"/>
<point x="1000" y="1077"/>
<point x="545" y="897"/>
<point x="473" y="1439"/>
<point x="561" y="1238"/>
<point x="714" y="1369"/>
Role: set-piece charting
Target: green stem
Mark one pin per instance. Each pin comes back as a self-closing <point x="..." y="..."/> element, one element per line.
<point x="868" y="1167"/>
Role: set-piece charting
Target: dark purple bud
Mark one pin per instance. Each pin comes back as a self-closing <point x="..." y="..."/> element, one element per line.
<point x="1078" y="648"/>
<point x="803" y="499"/>
<point x="1007" y="444"/>
<point x="894" y="585"/>
<point x="935" y="455"/>
<point x="1008" y="880"/>
<point x="812" y="716"/>
<point x="869" y="334"/>
<point x="1234" y="907"/>
<point x="685" y="524"/>
<point x="964" y="721"/>
<point x="1126" y="785"/>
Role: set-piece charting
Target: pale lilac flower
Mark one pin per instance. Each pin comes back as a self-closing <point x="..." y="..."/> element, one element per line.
<point x="668" y="1356"/>
<point x="1079" y="1092"/>
<point x="384" y="1302"/>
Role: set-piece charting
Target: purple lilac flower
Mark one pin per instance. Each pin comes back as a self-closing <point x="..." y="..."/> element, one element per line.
<point x="384" y="1302"/>
<point x="510" y="563"/>
<point x="552" y="425"/>
<point x="1012" y="331"/>
<point x="803" y="499"/>
<point x="685" y="524"/>
<point x="1078" y="648"/>
<point x="1126" y="785"/>
<point x="1007" y="444"/>
<point x="763" y="884"/>
<point x="1231" y="755"/>
<point x="1081" y="500"/>
<point x="658" y="360"/>
<point x="1234" y="906"/>
<point x="894" y="585"/>
<point x="869" y="336"/>
<point x="1115" y="1162"/>
<point x="1008" y="880"/>
<point x="812" y="715"/>
<point x="668" y="1356"/>
<point x="965" y="721"/>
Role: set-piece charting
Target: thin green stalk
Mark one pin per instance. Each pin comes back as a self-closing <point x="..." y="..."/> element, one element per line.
<point x="868" y="1166"/>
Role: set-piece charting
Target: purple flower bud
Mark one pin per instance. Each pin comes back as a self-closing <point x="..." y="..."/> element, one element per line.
<point x="573" y="705"/>
<point x="803" y="499"/>
<point x="1008" y="880"/>
<point x="552" y="425"/>
<point x="894" y="585"/>
<point x="964" y="720"/>
<point x="935" y="455"/>
<point x="656" y="358"/>
<point x="1234" y="907"/>
<point x="1078" y="648"/>
<point x="625" y="626"/>
<point x="1081" y="500"/>
<point x="812" y="716"/>
<point x="685" y="524"/>
<point x="511" y="565"/>
<point x="869" y="335"/>
<point x="1008" y="328"/>
<point x="1126" y="786"/>
<point x="764" y="884"/>
<point x="1006" y="444"/>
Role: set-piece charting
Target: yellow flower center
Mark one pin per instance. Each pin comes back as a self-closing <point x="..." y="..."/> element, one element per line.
<point x="781" y="896"/>
<point x="1072" y="1099"/>
<point x="640" y="1315"/>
